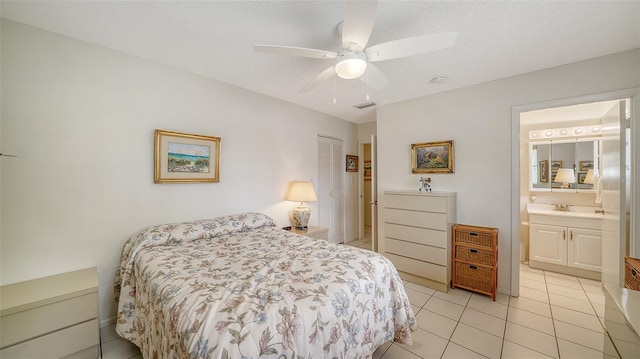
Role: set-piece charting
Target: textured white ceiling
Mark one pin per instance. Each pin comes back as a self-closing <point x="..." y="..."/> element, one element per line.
<point x="215" y="39"/>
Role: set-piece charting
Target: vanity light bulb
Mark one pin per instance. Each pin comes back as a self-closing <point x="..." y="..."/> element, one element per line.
<point x="534" y="135"/>
<point x="578" y="131"/>
<point x="595" y="129"/>
<point x="548" y="133"/>
<point x="563" y="132"/>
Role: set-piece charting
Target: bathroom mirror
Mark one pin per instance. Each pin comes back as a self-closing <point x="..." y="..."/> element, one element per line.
<point x="563" y="165"/>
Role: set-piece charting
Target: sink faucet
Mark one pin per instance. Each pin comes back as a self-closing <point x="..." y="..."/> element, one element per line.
<point x="561" y="207"/>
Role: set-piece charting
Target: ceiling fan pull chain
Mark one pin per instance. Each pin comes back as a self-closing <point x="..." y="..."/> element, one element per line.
<point x="367" y="83"/>
<point x="334" y="88"/>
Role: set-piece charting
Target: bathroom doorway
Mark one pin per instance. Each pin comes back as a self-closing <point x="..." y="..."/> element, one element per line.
<point x="561" y="117"/>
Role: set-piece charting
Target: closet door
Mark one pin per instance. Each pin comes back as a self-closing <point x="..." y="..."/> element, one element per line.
<point x="330" y="187"/>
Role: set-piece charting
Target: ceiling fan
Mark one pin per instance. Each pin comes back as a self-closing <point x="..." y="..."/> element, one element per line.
<point x="353" y="57"/>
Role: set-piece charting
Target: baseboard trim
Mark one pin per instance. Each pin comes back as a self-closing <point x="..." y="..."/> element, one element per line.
<point x="107" y="322"/>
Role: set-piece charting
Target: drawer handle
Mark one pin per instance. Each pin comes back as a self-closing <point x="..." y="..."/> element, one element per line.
<point x="473" y="267"/>
<point x="634" y="272"/>
<point x="473" y="250"/>
<point x="472" y="234"/>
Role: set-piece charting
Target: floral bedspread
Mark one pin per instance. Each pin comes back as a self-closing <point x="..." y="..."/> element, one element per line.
<point x="239" y="287"/>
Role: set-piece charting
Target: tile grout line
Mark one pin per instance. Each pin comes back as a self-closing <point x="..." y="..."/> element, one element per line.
<point x="553" y="323"/>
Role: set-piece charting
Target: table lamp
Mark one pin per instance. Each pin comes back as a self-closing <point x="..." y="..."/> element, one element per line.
<point x="565" y="175"/>
<point x="301" y="191"/>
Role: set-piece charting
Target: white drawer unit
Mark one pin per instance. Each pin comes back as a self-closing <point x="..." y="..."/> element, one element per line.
<point x="417" y="232"/>
<point x="314" y="232"/>
<point x="51" y="317"/>
<point x="568" y="245"/>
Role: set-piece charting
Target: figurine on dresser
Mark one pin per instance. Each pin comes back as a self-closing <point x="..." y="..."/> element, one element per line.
<point x="425" y="184"/>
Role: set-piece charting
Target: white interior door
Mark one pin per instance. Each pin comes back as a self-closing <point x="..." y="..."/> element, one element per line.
<point x="612" y="190"/>
<point x="331" y="187"/>
<point x="374" y="195"/>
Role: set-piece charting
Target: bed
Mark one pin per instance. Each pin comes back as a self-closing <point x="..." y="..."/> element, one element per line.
<point x="239" y="287"/>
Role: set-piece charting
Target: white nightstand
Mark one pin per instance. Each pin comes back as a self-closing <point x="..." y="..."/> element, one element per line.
<point x="51" y="317"/>
<point x="314" y="232"/>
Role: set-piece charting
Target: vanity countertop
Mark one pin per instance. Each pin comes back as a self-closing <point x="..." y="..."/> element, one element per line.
<point x="572" y="211"/>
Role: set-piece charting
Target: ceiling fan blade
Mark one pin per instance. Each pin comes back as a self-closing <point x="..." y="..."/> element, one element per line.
<point x="358" y="23"/>
<point x="296" y="51"/>
<point x="374" y="77"/>
<point x="410" y="46"/>
<point x="323" y="76"/>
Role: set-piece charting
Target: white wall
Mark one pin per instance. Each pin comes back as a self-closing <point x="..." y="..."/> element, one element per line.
<point x="478" y="120"/>
<point x="365" y="130"/>
<point x="81" y="118"/>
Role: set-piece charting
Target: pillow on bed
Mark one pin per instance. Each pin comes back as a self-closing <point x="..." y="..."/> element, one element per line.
<point x="202" y="229"/>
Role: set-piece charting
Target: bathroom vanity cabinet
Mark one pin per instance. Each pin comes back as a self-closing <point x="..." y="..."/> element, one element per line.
<point x="567" y="242"/>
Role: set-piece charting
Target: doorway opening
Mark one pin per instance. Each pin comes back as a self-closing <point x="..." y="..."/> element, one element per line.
<point x="536" y="187"/>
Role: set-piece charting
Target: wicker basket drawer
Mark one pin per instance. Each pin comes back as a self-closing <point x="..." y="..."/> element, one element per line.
<point x="475" y="255"/>
<point x="474" y="277"/>
<point x="477" y="238"/>
<point x="632" y="273"/>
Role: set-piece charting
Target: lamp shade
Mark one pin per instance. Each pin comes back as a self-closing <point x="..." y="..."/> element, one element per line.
<point x="301" y="191"/>
<point x="589" y="178"/>
<point x="565" y="175"/>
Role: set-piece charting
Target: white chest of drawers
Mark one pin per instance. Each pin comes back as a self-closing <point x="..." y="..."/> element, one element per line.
<point x="417" y="235"/>
<point x="51" y="317"/>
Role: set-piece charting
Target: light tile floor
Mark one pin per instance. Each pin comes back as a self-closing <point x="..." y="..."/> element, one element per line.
<point x="556" y="316"/>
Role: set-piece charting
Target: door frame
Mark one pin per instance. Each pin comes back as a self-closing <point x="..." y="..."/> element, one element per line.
<point x="361" y="203"/>
<point x="634" y="95"/>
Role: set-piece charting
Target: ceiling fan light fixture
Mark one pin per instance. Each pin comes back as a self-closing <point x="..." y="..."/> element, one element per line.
<point x="351" y="65"/>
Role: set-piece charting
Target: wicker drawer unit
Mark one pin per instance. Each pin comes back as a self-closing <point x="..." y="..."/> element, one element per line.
<point x="417" y="228"/>
<point x="632" y="273"/>
<point x="475" y="258"/>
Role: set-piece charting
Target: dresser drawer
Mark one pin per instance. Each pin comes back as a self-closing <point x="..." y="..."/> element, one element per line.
<point x="416" y="203"/>
<point x="20" y="326"/>
<point x="431" y="271"/>
<point x="429" y="237"/>
<point x="437" y="221"/>
<point x="58" y="344"/>
<point x="475" y="255"/>
<point x="417" y="251"/>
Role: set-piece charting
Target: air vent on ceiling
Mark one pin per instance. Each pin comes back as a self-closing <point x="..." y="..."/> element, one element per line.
<point x="365" y="105"/>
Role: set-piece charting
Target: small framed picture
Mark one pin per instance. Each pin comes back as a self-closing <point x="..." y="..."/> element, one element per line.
<point x="586" y="165"/>
<point x="581" y="177"/>
<point x="543" y="171"/>
<point x="367" y="170"/>
<point x="432" y="157"/>
<point x="352" y="163"/>
<point x="556" y="165"/>
<point x="186" y="158"/>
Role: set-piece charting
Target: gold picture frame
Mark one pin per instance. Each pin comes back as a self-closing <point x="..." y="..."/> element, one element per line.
<point x="543" y="171"/>
<point x="586" y="165"/>
<point x="352" y="163"/>
<point x="432" y="157"/>
<point x="186" y="158"/>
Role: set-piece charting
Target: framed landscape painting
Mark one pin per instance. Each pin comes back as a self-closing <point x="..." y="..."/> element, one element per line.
<point x="432" y="157"/>
<point x="186" y="158"/>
